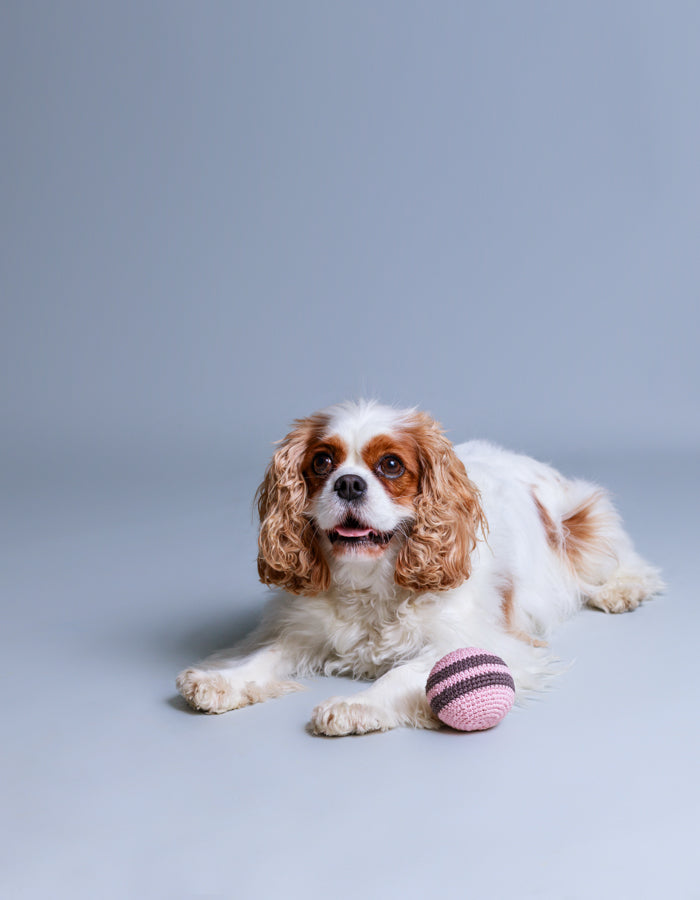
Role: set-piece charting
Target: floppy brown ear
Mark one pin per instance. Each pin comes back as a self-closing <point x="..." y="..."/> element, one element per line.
<point x="289" y="555"/>
<point x="448" y="516"/>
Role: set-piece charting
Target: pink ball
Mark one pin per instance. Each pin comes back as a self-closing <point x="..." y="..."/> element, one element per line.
<point x="470" y="689"/>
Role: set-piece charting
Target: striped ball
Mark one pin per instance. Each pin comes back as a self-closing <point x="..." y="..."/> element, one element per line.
<point x="470" y="689"/>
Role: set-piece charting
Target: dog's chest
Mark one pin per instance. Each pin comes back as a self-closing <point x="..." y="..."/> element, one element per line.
<point x="370" y="635"/>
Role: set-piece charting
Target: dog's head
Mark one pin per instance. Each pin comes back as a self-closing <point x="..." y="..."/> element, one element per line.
<point x="356" y="481"/>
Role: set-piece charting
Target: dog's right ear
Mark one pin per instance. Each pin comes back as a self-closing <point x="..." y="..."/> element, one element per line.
<point x="289" y="554"/>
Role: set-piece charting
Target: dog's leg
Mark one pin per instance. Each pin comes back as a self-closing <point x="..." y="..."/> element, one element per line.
<point x="226" y="681"/>
<point x="610" y="573"/>
<point x="626" y="587"/>
<point x="397" y="698"/>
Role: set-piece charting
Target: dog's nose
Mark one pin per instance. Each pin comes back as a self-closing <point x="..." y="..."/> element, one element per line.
<point x="350" y="487"/>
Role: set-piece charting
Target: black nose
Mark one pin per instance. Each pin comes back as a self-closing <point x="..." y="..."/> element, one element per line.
<point x="350" y="487"/>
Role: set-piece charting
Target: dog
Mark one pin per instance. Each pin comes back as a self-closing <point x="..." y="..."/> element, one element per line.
<point x="390" y="547"/>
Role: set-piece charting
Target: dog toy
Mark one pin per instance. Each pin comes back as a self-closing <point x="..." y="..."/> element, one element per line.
<point x="470" y="689"/>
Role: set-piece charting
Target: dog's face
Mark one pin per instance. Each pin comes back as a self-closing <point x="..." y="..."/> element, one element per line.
<point x="362" y="482"/>
<point x="356" y="481"/>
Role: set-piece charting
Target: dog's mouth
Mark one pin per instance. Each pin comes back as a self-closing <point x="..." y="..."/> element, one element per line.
<point x="352" y="533"/>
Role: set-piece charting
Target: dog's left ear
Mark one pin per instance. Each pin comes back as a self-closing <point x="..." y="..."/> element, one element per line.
<point x="289" y="555"/>
<point x="448" y="516"/>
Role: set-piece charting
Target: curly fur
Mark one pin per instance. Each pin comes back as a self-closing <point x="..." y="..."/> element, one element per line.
<point x="448" y="516"/>
<point x="289" y="553"/>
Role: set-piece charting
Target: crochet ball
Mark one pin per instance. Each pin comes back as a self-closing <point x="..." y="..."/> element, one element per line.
<point x="470" y="689"/>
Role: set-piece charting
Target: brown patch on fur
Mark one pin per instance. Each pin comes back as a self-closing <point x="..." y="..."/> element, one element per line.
<point x="550" y="528"/>
<point x="582" y="531"/>
<point x="448" y="514"/>
<point x="335" y="448"/>
<point x="289" y="554"/>
<point x="507" y="603"/>
<point x="404" y="488"/>
<point x="508" y="608"/>
<point x="579" y="538"/>
<point x="524" y="636"/>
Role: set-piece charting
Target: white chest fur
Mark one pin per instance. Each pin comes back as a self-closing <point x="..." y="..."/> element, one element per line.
<point x="358" y="632"/>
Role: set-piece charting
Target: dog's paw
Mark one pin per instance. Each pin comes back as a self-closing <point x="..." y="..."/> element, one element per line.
<point x="626" y="590"/>
<point x="209" y="691"/>
<point x="217" y="692"/>
<point x="338" y="717"/>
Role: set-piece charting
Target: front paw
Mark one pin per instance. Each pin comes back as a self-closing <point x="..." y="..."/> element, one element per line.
<point x="338" y="717"/>
<point x="208" y="691"/>
<point x="218" y="692"/>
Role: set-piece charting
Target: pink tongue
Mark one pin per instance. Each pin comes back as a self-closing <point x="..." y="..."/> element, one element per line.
<point x="353" y="532"/>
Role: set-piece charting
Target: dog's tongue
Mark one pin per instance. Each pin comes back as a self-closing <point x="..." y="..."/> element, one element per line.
<point x="343" y="531"/>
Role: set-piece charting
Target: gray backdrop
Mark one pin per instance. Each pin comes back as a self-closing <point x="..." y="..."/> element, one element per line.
<point x="219" y="216"/>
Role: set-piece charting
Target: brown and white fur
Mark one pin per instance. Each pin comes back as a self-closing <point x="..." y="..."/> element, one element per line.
<point x="393" y="547"/>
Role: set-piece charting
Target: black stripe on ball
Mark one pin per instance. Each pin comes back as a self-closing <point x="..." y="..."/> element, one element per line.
<point x="463" y="665"/>
<point x="486" y="679"/>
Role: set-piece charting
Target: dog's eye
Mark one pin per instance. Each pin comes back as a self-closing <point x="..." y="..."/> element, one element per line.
<point x="322" y="463"/>
<point x="391" y="466"/>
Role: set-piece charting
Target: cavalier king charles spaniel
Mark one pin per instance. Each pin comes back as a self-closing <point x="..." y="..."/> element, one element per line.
<point x="393" y="547"/>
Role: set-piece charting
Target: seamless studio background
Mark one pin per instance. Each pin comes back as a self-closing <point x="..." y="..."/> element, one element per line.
<point x="217" y="219"/>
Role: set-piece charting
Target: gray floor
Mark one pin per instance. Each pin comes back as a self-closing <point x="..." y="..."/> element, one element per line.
<point x="115" y="579"/>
